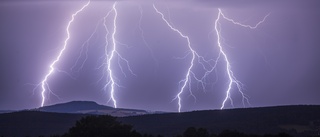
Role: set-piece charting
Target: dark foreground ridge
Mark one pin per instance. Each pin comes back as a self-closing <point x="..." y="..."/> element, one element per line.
<point x="36" y="123"/>
<point x="303" y="120"/>
<point x="298" y="121"/>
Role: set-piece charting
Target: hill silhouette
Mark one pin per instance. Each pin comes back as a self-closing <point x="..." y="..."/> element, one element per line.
<point x="298" y="121"/>
<point x="35" y="123"/>
<point x="74" y="107"/>
<point x="90" y="107"/>
<point x="5" y="111"/>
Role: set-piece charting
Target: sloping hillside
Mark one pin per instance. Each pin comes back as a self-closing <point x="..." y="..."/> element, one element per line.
<point x="302" y="120"/>
<point x="34" y="123"/>
<point x="296" y="120"/>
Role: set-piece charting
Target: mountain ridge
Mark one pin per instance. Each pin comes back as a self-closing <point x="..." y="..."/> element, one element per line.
<point x="91" y="107"/>
<point x="73" y="106"/>
<point x="297" y="120"/>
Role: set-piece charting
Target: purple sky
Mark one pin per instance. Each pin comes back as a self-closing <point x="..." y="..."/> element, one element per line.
<point x="278" y="63"/>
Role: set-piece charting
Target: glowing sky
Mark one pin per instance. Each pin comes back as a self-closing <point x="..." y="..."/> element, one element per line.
<point x="278" y="63"/>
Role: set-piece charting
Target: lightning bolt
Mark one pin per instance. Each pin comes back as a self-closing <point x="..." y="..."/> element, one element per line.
<point x="44" y="82"/>
<point x="84" y="50"/>
<point x="144" y="40"/>
<point x="240" y="24"/>
<point x="232" y="79"/>
<point x="196" y="58"/>
<point x="185" y="81"/>
<point x="110" y="56"/>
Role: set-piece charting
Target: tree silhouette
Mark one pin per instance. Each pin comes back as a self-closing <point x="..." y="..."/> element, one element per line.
<point x="190" y="132"/>
<point x="229" y="133"/>
<point x="202" y="132"/>
<point x="100" y="126"/>
<point x="193" y="132"/>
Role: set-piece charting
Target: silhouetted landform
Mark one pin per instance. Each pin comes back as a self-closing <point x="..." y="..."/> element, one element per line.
<point x="90" y="107"/>
<point x="6" y="111"/>
<point x="108" y="126"/>
<point x="296" y="120"/>
<point x="35" y="123"/>
<point x="300" y="121"/>
<point x="74" y="107"/>
<point x="100" y="126"/>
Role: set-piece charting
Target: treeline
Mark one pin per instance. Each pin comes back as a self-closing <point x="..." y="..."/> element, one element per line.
<point x="108" y="126"/>
<point x="202" y="132"/>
